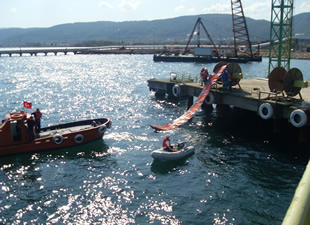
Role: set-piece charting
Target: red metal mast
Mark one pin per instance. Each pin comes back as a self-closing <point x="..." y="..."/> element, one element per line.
<point x="240" y="30"/>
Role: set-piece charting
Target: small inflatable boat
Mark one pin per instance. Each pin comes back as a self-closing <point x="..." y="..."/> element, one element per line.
<point x="162" y="154"/>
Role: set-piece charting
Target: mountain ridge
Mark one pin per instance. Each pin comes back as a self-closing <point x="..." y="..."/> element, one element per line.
<point x="171" y="30"/>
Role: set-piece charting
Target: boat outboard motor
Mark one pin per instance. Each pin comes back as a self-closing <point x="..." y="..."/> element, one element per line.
<point x="181" y="145"/>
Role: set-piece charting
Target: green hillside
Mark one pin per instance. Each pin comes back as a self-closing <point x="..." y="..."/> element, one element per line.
<point x="174" y="30"/>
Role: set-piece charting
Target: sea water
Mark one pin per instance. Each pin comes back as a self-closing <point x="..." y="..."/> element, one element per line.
<point x="239" y="174"/>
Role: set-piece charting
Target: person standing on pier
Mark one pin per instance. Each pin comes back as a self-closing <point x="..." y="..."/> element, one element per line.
<point x="204" y="74"/>
<point x="226" y="77"/>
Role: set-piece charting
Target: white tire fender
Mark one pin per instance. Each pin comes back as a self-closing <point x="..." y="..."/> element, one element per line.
<point x="79" y="138"/>
<point x="58" y="139"/>
<point x="265" y="111"/>
<point x="298" y="118"/>
<point x="209" y="100"/>
<point x="102" y="129"/>
<point x="176" y="90"/>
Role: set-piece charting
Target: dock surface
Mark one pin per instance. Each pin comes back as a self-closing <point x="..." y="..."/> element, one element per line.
<point x="249" y="94"/>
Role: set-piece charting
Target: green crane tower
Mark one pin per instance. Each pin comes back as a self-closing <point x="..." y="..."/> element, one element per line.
<point x="280" y="34"/>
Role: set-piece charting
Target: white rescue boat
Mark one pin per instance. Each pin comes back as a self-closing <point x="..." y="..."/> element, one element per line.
<point x="184" y="151"/>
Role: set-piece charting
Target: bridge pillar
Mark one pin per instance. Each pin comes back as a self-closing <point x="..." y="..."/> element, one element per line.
<point x="10" y="54"/>
<point x="55" y="53"/>
<point x="45" y="53"/>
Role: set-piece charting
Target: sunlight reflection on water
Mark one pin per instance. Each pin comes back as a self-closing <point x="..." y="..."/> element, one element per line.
<point x="115" y="180"/>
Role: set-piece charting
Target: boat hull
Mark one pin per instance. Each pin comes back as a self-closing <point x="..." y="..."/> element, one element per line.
<point x="161" y="154"/>
<point x="203" y="59"/>
<point x="61" y="136"/>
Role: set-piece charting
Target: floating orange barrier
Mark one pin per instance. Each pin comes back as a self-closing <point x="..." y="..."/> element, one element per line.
<point x="194" y="108"/>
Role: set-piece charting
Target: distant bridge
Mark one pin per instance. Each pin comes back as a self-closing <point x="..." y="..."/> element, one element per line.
<point x="81" y="50"/>
<point x="117" y="49"/>
<point x="44" y="51"/>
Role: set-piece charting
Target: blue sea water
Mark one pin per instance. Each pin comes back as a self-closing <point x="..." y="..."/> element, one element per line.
<point x="239" y="174"/>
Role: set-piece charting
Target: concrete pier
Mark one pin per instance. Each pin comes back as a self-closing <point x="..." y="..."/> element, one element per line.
<point x="252" y="95"/>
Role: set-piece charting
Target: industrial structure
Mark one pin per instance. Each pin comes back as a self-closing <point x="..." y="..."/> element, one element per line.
<point x="281" y="34"/>
<point x="196" y="31"/>
<point x="242" y="51"/>
<point x="240" y="29"/>
<point x="280" y="102"/>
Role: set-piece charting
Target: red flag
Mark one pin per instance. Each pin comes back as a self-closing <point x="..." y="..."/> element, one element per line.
<point x="27" y="105"/>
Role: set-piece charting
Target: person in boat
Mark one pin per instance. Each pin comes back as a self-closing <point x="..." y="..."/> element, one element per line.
<point x="204" y="74"/>
<point x="37" y="115"/>
<point x="31" y="128"/>
<point x="167" y="145"/>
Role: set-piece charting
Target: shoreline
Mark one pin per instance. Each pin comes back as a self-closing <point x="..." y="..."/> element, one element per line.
<point x="168" y="50"/>
<point x="263" y="53"/>
<point x="294" y="55"/>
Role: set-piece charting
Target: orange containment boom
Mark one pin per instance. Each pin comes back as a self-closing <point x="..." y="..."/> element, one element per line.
<point x="194" y="108"/>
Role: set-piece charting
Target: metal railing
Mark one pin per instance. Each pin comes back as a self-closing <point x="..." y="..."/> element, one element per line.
<point x="183" y="77"/>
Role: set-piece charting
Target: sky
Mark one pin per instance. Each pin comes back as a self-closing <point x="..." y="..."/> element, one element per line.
<point x="47" y="13"/>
